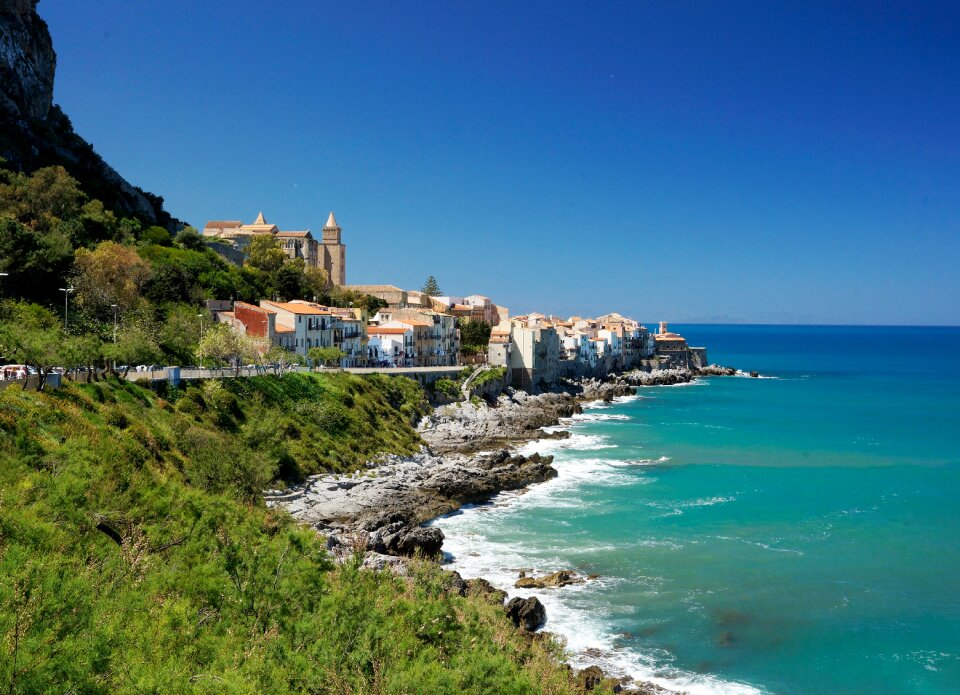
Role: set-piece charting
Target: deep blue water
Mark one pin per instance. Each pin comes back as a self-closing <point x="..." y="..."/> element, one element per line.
<point x="792" y="534"/>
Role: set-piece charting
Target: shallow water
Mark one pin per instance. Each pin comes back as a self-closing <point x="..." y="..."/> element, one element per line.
<point x="797" y="534"/>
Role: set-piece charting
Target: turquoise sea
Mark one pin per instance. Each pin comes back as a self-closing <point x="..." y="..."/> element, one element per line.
<point x="798" y="533"/>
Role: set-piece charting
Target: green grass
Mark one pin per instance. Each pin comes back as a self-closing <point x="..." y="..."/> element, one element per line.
<point x="485" y="377"/>
<point x="135" y="555"/>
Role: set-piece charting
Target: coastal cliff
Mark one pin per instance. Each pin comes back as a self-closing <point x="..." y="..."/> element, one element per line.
<point x="35" y="132"/>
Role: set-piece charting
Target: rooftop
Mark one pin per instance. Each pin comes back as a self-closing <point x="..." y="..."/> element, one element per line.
<point x="298" y="308"/>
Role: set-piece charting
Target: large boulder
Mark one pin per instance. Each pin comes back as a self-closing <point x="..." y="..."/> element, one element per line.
<point x="426" y="541"/>
<point x="526" y="613"/>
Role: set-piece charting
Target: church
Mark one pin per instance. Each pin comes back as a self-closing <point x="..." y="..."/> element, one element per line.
<point x="329" y="252"/>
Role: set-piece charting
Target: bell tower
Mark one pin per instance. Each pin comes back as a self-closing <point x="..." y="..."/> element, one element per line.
<point x="334" y="252"/>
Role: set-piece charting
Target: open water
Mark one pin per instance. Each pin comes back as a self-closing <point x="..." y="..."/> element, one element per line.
<point x="798" y="533"/>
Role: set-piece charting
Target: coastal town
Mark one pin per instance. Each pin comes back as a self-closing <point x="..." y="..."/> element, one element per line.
<point x="420" y="328"/>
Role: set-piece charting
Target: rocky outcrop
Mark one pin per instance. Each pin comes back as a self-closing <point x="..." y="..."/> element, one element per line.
<point x="555" y="579"/>
<point x="27" y="61"/>
<point x="659" y="377"/>
<point x="383" y="510"/>
<point x="716" y="370"/>
<point x="35" y="133"/>
<point x="516" y="416"/>
<point x="526" y="613"/>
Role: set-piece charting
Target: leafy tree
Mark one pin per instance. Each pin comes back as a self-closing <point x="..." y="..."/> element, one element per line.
<point x="223" y="345"/>
<point x="189" y="238"/>
<point x="51" y="194"/>
<point x="110" y="274"/>
<point x="289" y="280"/>
<point x="97" y="224"/>
<point x="81" y="351"/>
<point x="265" y="253"/>
<point x="344" y="297"/>
<point x="276" y="355"/>
<point x="180" y="334"/>
<point x="316" y="282"/>
<point x="168" y="283"/>
<point x="475" y="335"/>
<point x="329" y="356"/>
<point x="431" y="288"/>
<point x="31" y="336"/>
<point x="35" y="262"/>
<point x="155" y="235"/>
<point x="136" y="344"/>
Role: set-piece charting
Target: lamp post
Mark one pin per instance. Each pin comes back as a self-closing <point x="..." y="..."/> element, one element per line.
<point x="66" y="303"/>
<point x="115" y="309"/>
<point x="2" y="275"/>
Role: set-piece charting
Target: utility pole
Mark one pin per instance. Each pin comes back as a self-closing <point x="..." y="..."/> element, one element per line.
<point x="66" y="304"/>
<point x="115" y="310"/>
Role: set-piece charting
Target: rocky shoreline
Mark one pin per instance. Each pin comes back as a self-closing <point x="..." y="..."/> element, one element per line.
<point x="466" y="460"/>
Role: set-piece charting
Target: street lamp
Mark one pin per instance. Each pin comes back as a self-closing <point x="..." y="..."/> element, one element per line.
<point x="66" y="297"/>
<point x="2" y="275"/>
<point x="115" y="309"/>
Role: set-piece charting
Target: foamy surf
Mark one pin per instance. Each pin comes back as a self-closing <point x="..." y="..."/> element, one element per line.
<point x="571" y="614"/>
<point x="576" y="441"/>
<point x="598" y="417"/>
<point x="574" y="612"/>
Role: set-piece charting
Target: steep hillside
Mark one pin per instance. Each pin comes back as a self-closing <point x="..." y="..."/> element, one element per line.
<point x="135" y="557"/>
<point x="36" y="133"/>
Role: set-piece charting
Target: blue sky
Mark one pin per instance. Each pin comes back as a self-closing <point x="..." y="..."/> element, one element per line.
<point x="683" y="161"/>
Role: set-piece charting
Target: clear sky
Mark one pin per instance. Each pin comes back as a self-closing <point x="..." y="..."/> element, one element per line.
<point x="683" y="161"/>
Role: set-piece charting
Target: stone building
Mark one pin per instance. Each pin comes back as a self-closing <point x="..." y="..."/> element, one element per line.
<point x="530" y="348"/>
<point x="334" y="252"/>
<point x="329" y="253"/>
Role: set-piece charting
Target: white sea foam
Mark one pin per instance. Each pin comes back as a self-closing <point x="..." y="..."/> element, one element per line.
<point x="677" y="508"/>
<point x="641" y="462"/>
<point x="577" y="441"/>
<point x="742" y="373"/>
<point x="758" y="544"/>
<point x="597" y="417"/>
<point x="573" y="611"/>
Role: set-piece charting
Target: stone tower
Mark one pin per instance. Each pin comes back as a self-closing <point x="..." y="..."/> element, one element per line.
<point x="334" y="252"/>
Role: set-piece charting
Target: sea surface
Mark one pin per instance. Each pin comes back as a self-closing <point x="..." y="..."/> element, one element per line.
<point x="797" y="533"/>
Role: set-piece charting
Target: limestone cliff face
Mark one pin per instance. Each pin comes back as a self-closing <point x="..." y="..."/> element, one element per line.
<point x="27" y="60"/>
<point x="34" y="132"/>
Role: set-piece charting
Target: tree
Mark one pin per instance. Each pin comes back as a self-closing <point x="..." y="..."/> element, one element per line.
<point x="136" y="344"/>
<point x="289" y="280"/>
<point x="276" y="355"/>
<point x="329" y="356"/>
<point x="110" y="274"/>
<point x="222" y="345"/>
<point x="34" y="262"/>
<point x="50" y="194"/>
<point x="155" y="235"/>
<point x="431" y="288"/>
<point x="31" y="336"/>
<point x="265" y="253"/>
<point x="316" y="281"/>
<point x="189" y="238"/>
<point x="474" y="335"/>
<point x="180" y="334"/>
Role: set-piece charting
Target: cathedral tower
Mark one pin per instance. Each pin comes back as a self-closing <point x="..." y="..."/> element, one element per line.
<point x="334" y="252"/>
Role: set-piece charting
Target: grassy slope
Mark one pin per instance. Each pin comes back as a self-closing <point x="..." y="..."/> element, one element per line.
<point x="134" y="556"/>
